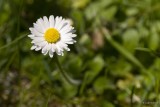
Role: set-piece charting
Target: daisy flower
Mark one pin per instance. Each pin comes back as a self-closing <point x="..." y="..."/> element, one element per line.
<point x="52" y="35"/>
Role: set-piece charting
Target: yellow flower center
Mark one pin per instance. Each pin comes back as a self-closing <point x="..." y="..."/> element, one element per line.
<point x="52" y="35"/>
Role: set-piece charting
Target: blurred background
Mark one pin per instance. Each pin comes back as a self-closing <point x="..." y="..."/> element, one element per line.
<point x="117" y="54"/>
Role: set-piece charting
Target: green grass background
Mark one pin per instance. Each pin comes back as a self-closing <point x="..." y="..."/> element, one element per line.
<point x="117" y="54"/>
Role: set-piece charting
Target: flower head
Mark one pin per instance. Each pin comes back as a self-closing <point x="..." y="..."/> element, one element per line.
<point x="52" y="35"/>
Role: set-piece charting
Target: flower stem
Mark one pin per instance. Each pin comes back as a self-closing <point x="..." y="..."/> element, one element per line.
<point x="12" y="42"/>
<point x="64" y="74"/>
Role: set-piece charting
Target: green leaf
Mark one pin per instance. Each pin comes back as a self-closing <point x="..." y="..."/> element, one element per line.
<point x="96" y="64"/>
<point x="153" y="39"/>
<point x="92" y="11"/>
<point x="75" y="64"/>
<point x="80" y="3"/>
<point x="130" y="39"/>
<point x="95" y="67"/>
<point x="109" y="13"/>
<point x="132" y="11"/>
<point x="100" y="84"/>
<point x="68" y="91"/>
<point x="120" y="67"/>
<point x="85" y="40"/>
<point x="107" y="104"/>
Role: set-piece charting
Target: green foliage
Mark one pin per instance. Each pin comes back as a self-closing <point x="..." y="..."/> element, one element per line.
<point x="116" y="57"/>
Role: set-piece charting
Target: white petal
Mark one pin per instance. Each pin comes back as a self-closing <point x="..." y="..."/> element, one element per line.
<point x="51" y="53"/>
<point x="65" y="40"/>
<point x="45" y="53"/>
<point x="66" y="29"/>
<point x="38" y="39"/>
<point x="72" y="31"/>
<point x="53" y="47"/>
<point x="31" y="36"/>
<point x="57" y="21"/>
<point x="40" y="23"/>
<point x="38" y="48"/>
<point x="42" y="44"/>
<point x="46" y="22"/>
<point x="64" y="24"/>
<point x="61" y="24"/>
<point x="66" y="37"/>
<point x="35" y="32"/>
<point x="70" y="42"/>
<point x="73" y="35"/>
<point x="33" y="47"/>
<point x="51" y="21"/>
<point x="44" y="50"/>
<point x="60" y="44"/>
<point x="58" y="48"/>
<point x="59" y="52"/>
<point x="64" y="46"/>
<point x="67" y="49"/>
<point x="49" y="47"/>
<point x="38" y="28"/>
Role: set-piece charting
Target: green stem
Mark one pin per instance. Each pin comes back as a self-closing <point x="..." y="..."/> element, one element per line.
<point x="132" y="94"/>
<point x="16" y="40"/>
<point x="122" y="50"/>
<point x="152" y="52"/>
<point x="67" y="77"/>
<point x="143" y="49"/>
